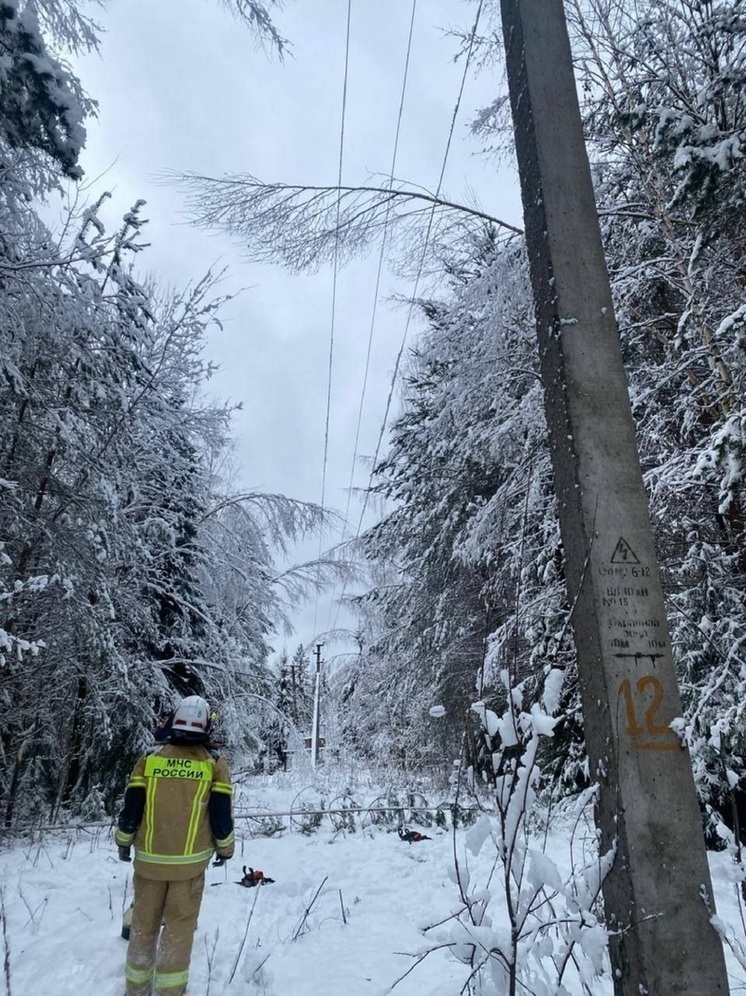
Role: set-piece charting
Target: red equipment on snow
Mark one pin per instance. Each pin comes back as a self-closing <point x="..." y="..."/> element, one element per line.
<point x="252" y="877"/>
<point x="411" y="836"/>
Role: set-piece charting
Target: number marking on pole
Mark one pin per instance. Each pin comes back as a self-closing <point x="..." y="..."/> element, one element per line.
<point x="651" y="727"/>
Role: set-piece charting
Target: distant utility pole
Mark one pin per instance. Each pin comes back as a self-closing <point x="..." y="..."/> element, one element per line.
<point x="295" y="696"/>
<point x="316" y="708"/>
<point x="658" y="895"/>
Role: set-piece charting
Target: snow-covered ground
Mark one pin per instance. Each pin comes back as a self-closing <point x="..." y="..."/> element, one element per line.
<point x="64" y="895"/>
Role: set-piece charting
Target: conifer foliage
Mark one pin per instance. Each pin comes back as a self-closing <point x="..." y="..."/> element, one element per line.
<point x="469" y="557"/>
<point x="466" y="564"/>
<point x="41" y="105"/>
<point x="665" y="110"/>
<point x="472" y="521"/>
<point x="128" y="575"/>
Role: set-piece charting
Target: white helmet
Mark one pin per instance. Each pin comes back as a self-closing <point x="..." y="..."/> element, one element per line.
<point x="192" y="716"/>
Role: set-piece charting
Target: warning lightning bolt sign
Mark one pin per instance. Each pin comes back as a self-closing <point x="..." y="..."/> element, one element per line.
<point x="623" y="553"/>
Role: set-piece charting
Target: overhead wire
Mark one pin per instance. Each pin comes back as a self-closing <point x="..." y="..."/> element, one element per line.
<point x="379" y="272"/>
<point x="413" y="299"/>
<point x="335" y="274"/>
<point x="381" y="255"/>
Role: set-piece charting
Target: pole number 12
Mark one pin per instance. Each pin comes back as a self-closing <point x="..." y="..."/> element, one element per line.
<point x="651" y="725"/>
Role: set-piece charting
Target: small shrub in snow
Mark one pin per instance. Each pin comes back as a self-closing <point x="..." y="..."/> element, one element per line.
<point x="93" y="807"/>
<point x="530" y="925"/>
<point x="343" y="812"/>
<point x="417" y="810"/>
<point x="309" y="823"/>
<point x="462" y="816"/>
<point x="269" y="826"/>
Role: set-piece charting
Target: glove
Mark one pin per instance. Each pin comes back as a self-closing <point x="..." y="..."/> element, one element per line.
<point x="219" y="861"/>
<point x="124" y="853"/>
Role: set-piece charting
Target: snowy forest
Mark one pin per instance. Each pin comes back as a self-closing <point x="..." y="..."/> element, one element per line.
<point x="477" y="586"/>
<point x="134" y="570"/>
<point x="132" y="573"/>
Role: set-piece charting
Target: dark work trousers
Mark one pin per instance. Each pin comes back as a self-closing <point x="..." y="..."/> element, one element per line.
<point x="163" y="922"/>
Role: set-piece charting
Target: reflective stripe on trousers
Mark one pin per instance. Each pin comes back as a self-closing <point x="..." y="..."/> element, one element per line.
<point x="169" y="980"/>
<point x="164" y="918"/>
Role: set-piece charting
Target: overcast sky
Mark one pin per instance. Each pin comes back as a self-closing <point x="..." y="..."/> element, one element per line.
<point x="182" y="86"/>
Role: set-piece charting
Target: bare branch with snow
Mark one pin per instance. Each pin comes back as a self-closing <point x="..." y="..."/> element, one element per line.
<point x="302" y="226"/>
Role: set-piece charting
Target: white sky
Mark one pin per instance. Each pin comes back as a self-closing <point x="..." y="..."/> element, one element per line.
<point x="182" y="86"/>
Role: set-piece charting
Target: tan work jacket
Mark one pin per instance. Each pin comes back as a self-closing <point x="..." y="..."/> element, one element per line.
<point x="174" y="839"/>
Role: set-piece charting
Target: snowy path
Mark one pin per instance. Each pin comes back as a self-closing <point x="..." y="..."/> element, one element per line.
<point x="64" y="899"/>
<point x="64" y="904"/>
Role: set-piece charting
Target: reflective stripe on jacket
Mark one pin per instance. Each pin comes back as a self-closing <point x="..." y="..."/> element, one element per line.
<point x="177" y="811"/>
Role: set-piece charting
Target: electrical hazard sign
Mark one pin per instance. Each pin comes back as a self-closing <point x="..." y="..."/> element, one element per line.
<point x="623" y="553"/>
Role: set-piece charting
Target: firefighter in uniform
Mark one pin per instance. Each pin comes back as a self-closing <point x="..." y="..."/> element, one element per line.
<point x="177" y="811"/>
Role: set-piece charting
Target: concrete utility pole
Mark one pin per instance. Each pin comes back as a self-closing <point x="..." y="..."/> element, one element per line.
<point x="658" y="896"/>
<point x="295" y="695"/>
<point x="316" y="708"/>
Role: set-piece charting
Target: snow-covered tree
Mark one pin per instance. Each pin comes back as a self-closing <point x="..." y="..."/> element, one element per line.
<point x="41" y="103"/>
<point x="663" y="103"/>
<point x="469" y="560"/>
<point x="300" y="690"/>
<point x="665" y="111"/>
<point x="128" y="572"/>
<point x="131" y="576"/>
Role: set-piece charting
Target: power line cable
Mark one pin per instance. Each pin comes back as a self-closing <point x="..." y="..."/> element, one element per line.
<point x="381" y="255"/>
<point x="376" y="292"/>
<point x="413" y="299"/>
<point x="334" y="292"/>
